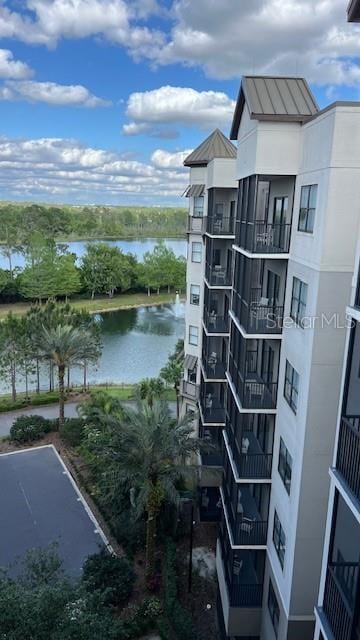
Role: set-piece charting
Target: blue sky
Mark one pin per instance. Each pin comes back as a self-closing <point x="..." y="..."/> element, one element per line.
<point x="101" y="99"/>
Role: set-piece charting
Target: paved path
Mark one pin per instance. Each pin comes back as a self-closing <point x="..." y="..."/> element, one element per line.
<point x="48" y="411"/>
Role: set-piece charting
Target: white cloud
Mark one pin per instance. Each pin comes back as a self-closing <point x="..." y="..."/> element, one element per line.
<point x="180" y="106"/>
<point x="10" y="68"/>
<point x="56" y="169"/>
<point x="50" y="93"/>
<point x="167" y="160"/>
<point x="232" y="38"/>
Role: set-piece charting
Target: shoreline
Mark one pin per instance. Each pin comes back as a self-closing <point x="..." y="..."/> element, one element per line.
<point x="61" y="240"/>
<point x="105" y="305"/>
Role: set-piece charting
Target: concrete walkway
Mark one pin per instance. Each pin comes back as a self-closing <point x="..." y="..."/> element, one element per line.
<point x="49" y="411"/>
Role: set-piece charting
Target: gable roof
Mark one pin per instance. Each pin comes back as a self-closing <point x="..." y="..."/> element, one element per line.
<point x="215" y="146"/>
<point x="274" y="98"/>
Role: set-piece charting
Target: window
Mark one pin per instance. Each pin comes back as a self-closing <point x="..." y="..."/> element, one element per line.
<point x="291" y="387"/>
<point x="193" y="335"/>
<point x="199" y="207"/>
<point x="307" y="208"/>
<point x="196" y="251"/>
<point x="279" y="539"/>
<point x="274" y="609"/>
<point x="285" y="466"/>
<point x="298" y="301"/>
<point x="195" y="294"/>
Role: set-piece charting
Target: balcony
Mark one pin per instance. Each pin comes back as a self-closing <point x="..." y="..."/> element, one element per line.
<point x="212" y="404"/>
<point x="221" y="226"/>
<point x="259" y="314"/>
<point x="214" y="357"/>
<point x="264" y="237"/>
<point x="339" y="599"/>
<point x="218" y="275"/>
<point x="189" y="389"/>
<point x="247" y="508"/>
<point x="253" y="391"/>
<point x="244" y="573"/>
<point x="216" y="323"/>
<point x="348" y="453"/>
<point x="211" y="454"/>
<point x="196" y="225"/>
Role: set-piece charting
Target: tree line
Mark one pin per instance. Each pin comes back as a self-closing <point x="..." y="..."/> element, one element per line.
<point x="54" y="337"/>
<point x="65" y="222"/>
<point x="51" y="271"/>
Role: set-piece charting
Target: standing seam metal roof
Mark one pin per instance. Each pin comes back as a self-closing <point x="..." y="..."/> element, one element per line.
<point x="215" y="146"/>
<point x="274" y="98"/>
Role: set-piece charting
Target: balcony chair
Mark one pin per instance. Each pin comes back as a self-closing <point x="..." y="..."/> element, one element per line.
<point x="255" y="390"/>
<point x="265" y="238"/>
<point x="245" y="443"/>
<point x="213" y="318"/>
<point x="237" y="566"/>
<point x="212" y="361"/>
<point x="208" y="401"/>
<point x="247" y="524"/>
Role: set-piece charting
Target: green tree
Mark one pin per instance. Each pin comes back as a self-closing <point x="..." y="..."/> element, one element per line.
<point x="150" y="390"/>
<point x="172" y="372"/>
<point x="145" y="454"/>
<point x="11" y="350"/>
<point x="106" y="269"/>
<point x="65" y="346"/>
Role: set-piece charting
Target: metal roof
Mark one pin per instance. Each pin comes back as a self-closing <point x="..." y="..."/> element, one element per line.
<point x="274" y="98"/>
<point x="354" y="11"/>
<point x="195" y="191"/>
<point x="215" y="146"/>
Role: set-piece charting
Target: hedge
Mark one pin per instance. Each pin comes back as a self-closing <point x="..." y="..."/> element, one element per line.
<point x="30" y="428"/>
<point x="178" y="619"/>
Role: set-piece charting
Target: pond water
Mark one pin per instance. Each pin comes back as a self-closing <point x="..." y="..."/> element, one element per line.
<point x="137" y="247"/>
<point x="136" y="345"/>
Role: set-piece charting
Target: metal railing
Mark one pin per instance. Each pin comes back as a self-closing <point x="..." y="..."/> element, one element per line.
<point x="216" y="323"/>
<point x="213" y="366"/>
<point x="253" y="465"/>
<point x="214" y="414"/>
<point x="240" y="594"/>
<point x="258" y="317"/>
<point x="338" y="602"/>
<point x="221" y="226"/>
<point x="263" y="237"/>
<point x="348" y="452"/>
<point x="253" y="393"/>
<point x="218" y="275"/>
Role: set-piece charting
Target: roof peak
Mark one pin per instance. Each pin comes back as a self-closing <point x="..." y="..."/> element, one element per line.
<point x="274" y="98"/>
<point x="216" y="145"/>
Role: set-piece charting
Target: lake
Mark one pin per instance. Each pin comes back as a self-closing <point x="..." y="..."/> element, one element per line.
<point x="137" y="247"/>
<point x="136" y="345"/>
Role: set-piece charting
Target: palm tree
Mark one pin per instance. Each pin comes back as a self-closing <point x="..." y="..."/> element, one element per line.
<point x="65" y="346"/>
<point x="150" y="389"/>
<point x="146" y="453"/>
<point x="100" y="405"/>
<point x="172" y="374"/>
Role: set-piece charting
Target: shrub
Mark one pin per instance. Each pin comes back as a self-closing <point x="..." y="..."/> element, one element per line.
<point x="72" y="431"/>
<point x="129" y="532"/>
<point x="30" y="428"/>
<point x="178" y="618"/>
<point x="110" y="575"/>
<point x="46" y="398"/>
<point x="142" y="618"/>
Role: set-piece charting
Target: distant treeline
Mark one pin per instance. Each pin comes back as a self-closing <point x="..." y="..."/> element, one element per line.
<point x="18" y="221"/>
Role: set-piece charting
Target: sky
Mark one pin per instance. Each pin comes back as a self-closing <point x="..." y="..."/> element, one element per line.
<point x="101" y="100"/>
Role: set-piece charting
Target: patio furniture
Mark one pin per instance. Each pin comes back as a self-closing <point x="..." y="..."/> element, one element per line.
<point x="245" y="443"/>
<point x="212" y="361"/>
<point x="237" y="566"/>
<point x="208" y="401"/>
<point x="254" y="389"/>
<point x="247" y="524"/>
<point x="213" y="318"/>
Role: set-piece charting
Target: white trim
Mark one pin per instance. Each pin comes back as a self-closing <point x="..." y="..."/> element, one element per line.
<point x="345" y="492"/>
<point x="239" y="405"/>
<point x="237" y="478"/>
<point x="229" y="236"/>
<point x="254" y="336"/>
<point x="252" y="547"/>
<point x="209" y="424"/>
<point x="226" y="334"/>
<point x="221" y="286"/>
<point x="81" y="498"/>
<point x="262" y="256"/>
<point x="353" y="312"/>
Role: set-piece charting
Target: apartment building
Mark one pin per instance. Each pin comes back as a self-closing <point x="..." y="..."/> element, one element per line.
<point x="354" y="11"/>
<point x="298" y="171"/>
<point x="212" y="195"/>
<point x="338" y="613"/>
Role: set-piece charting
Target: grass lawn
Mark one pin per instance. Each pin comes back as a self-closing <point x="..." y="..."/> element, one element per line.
<point x="100" y="304"/>
<point x="123" y="392"/>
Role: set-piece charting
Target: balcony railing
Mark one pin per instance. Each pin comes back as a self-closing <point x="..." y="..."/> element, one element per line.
<point x="258" y="315"/>
<point x="213" y="366"/>
<point x="189" y="389"/>
<point x="241" y="593"/>
<point x="196" y="224"/>
<point x="216" y="323"/>
<point x="218" y="275"/>
<point x="348" y="452"/>
<point x="246" y="526"/>
<point x="338" y="605"/>
<point x="221" y="226"/>
<point x="212" y="411"/>
<point x="253" y="465"/>
<point x="263" y="237"/>
<point x="254" y="393"/>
